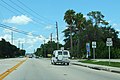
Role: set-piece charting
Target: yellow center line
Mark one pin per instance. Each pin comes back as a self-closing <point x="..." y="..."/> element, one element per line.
<point x="4" y="74"/>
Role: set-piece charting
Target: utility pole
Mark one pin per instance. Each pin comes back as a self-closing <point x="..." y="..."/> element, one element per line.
<point x="51" y="43"/>
<point x="44" y="49"/>
<point x="57" y="35"/>
<point x="22" y="46"/>
<point x="51" y="39"/>
<point x="34" y="51"/>
<point x="19" y="44"/>
<point x="12" y="37"/>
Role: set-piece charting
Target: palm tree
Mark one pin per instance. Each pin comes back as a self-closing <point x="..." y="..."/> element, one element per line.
<point x="79" y="19"/>
<point x="69" y="19"/>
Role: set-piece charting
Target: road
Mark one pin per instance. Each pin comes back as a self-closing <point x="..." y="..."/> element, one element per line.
<point x="41" y="69"/>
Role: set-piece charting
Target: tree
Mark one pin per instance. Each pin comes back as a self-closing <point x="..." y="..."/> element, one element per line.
<point x="8" y="50"/>
<point x="69" y="19"/>
<point x="79" y="22"/>
<point x="97" y="18"/>
<point x="45" y="49"/>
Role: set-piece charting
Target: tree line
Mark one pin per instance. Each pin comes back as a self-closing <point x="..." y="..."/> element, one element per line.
<point x="8" y="50"/>
<point x="83" y="29"/>
<point x="47" y="49"/>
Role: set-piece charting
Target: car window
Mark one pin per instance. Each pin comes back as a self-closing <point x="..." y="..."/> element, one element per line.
<point x="65" y="53"/>
<point x="59" y="52"/>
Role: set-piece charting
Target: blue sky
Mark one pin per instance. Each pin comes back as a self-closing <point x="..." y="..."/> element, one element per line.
<point x="48" y="12"/>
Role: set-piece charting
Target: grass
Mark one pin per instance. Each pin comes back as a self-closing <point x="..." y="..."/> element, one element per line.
<point x="105" y="63"/>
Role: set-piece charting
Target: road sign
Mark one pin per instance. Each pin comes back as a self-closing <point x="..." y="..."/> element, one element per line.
<point x="109" y="39"/>
<point x="62" y="48"/>
<point x="109" y="43"/>
<point x="94" y="44"/>
<point x="88" y="47"/>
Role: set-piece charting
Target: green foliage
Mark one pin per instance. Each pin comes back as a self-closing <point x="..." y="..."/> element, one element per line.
<point x="105" y="63"/>
<point x="94" y="28"/>
<point x="47" y="48"/>
<point x="8" y="50"/>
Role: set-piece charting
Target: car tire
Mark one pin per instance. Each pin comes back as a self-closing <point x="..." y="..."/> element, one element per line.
<point x="67" y="63"/>
<point x="51" y="62"/>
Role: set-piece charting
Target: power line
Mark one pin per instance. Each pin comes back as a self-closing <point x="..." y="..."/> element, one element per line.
<point x="7" y="9"/>
<point x="32" y="10"/>
<point x="11" y="7"/>
<point x="23" y="9"/>
<point x="11" y="11"/>
<point x="19" y="31"/>
<point x="20" y="12"/>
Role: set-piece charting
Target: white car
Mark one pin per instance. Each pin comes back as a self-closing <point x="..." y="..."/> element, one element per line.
<point x="60" y="56"/>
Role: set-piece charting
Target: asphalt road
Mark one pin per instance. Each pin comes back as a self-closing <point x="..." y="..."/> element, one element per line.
<point x="41" y="69"/>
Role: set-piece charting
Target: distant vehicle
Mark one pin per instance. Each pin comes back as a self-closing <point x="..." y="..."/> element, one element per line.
<point x="60" y="56"/>
<point x="36" y="56"/>
<point x="21" y="56"/>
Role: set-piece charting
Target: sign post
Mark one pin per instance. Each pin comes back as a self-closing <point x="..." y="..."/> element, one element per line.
<point x="109" y="43"/>
<point x="93" y="46"/>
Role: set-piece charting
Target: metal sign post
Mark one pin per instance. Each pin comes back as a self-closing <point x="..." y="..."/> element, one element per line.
<point x="109" y="55"/>
<point x="109" y="43"/>
<point x="93" y="46"/>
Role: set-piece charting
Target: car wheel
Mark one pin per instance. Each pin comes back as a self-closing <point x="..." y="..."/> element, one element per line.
<point x="67" y="63"/>
<point x="63" y="63"/>
<point x="51" y="62"/>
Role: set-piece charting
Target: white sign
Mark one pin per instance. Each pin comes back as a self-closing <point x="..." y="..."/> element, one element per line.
<point x="62" y="48"/>
<point x="109" y="42"/>
<point x="109" y="39"/>
<point x="94" y="44"/>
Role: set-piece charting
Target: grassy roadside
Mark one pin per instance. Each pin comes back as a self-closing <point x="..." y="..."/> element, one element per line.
<point x="105" y="63"/>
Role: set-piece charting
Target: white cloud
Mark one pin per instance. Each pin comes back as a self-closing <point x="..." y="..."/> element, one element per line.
<point x="86" y="16"/>
<point x="49" y="27"/>
<point x="7" y="37"/>
<point x="8" y="30"/>
<point x="20" y="20"/>
<point x="30" y="47"/>
<point x="29" y="41"/>
<point x="116" y="25"/>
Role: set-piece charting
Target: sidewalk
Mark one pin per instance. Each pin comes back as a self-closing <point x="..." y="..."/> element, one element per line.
<point x="97" y="67"/>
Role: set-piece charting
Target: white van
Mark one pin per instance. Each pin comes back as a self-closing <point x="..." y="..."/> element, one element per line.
<point x="60" y="56"/>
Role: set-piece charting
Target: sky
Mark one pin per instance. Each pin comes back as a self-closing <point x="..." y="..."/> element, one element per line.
<point x="39" y="17"/>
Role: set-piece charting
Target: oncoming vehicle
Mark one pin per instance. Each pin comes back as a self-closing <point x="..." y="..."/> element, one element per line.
<point x="60" y="56"/>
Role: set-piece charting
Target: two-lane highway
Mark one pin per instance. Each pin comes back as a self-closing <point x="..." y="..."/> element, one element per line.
<point x="41" y="69"/>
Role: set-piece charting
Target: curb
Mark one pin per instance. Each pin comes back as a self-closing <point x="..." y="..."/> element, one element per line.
<point x="97" y="68"/>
